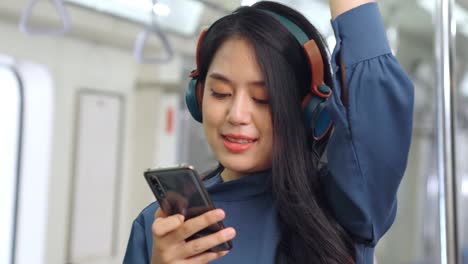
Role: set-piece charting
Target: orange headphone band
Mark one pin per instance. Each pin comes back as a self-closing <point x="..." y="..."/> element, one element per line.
<point x="313" y="55"/>
<point x="316" y="65"/>
<point x="195" y="73"/>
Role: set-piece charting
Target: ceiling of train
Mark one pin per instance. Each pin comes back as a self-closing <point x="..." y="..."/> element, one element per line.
<point x="408" y="13"/>
<point x="409" y="23"/>
<point x="413" y="17"/>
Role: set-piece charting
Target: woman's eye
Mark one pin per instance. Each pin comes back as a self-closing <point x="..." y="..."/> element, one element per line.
<point x="262" y="101"/>
<point x="218" y="95"/>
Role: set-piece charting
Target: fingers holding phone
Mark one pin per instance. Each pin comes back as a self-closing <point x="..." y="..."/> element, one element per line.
<point x="187" y="228"/>
<point x="171" y="234"/>
<point x="163" y="224"/>
<point x="180" y="191"/>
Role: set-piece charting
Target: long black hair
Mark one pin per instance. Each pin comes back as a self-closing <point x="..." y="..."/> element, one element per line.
<point x="309" y="233"/>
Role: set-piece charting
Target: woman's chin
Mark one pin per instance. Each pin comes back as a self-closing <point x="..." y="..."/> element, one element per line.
<point x="243" y="166"/>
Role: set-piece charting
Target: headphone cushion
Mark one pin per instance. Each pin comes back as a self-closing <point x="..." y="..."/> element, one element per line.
<point x="191" y="100"/>
<point x="323" y="123"/>
<point x="317" y="119"/>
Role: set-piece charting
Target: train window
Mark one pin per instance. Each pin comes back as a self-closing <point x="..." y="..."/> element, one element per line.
<point x="10" y="127"/>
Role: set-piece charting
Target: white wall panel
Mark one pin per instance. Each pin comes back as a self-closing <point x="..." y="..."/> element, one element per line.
<point x="96" y="177"/>
<point x="166" y="134"/>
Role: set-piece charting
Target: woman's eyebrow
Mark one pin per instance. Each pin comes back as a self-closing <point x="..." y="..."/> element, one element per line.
<point x="220" y="77"/>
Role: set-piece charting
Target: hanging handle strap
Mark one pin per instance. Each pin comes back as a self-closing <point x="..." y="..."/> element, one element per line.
<point x="26" y="15"/>
<point x="141" y="41"/>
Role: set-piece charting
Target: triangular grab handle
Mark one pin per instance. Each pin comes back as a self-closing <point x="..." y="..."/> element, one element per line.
<point x="141" y="41"/>
<point x="26" y="15"/>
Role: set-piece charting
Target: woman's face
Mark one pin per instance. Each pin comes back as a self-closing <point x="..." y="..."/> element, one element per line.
<point x="236" y="115"/>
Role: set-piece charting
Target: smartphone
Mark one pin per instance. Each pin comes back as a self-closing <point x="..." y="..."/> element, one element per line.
<point x="179" y="190"/>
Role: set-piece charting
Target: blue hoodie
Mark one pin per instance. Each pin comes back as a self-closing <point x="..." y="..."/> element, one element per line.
<point x="367" y="154"/>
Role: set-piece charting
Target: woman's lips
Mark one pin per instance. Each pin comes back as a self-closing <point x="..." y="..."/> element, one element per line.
<point x="238" y="143"/>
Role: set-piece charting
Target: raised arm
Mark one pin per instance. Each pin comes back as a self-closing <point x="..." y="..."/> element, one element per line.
<point x="338" y="7"/>
<point x="368" y="150"/>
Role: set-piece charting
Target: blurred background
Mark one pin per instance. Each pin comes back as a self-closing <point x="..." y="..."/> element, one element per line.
<point x="92" y="95"/>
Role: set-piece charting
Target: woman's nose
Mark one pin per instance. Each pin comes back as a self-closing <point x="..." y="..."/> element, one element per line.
<point x="240" y="111"/>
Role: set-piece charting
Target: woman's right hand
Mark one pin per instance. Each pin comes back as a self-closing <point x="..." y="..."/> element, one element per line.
<point x="170" y="232"/>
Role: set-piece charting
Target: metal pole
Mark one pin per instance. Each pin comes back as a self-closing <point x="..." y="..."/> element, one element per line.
<point x="445" y="49"/>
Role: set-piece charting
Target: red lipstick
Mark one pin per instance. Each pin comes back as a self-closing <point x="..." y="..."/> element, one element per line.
<point x="238" y="147"/>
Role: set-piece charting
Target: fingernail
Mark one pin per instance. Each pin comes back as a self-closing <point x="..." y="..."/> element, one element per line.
<point x="219" y="213"/>
<point x="229" y="232"/>
<point x="181" y="218"/>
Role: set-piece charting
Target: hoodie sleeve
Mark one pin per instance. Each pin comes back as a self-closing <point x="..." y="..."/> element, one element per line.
<point x="368" y="150"/>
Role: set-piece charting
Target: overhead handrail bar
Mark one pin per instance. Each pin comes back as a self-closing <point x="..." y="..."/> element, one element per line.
<point x="26" y="15"/>
<point x="142" y="39"/>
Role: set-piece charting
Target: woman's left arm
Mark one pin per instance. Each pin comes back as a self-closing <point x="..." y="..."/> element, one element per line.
<point x="368" y="150"/>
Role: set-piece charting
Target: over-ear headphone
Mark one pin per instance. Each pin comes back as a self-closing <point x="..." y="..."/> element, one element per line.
<point x="316" y="117"/>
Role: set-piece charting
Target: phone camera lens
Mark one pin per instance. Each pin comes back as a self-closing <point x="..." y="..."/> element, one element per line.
<point x="157" y="187"/>
<point x="154" y="181"/>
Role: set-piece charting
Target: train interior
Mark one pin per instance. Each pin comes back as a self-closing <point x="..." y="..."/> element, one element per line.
<point x="92" y="95"/>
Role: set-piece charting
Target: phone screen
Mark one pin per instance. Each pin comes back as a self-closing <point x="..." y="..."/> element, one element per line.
<point x="180" y="191"/>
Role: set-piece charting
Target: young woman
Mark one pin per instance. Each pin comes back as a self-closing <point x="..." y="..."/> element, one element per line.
<point x="260" y="93"/>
